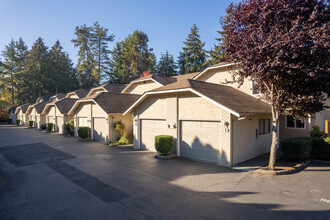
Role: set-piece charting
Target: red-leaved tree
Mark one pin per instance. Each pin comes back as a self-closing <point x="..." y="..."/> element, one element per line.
<point x="283" y="45"/>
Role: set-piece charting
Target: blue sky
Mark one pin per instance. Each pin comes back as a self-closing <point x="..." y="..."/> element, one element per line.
<point x="166" y="22"/>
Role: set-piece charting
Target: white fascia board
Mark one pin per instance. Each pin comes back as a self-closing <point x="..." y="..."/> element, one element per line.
<point x="71" y="112"/>
<point x="141" y="80"/>
<point x="17" y="110"/>
<point x="96" y="89"/>
<point x="46" y="107"/>
<point x="216" y="103"/>
<point x="180" y="90"/>
<point x="69" y="94"/>
<point x="213" y="67"/>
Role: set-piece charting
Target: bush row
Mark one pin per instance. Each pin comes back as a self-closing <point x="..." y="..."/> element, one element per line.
<point x="299" y="149"/>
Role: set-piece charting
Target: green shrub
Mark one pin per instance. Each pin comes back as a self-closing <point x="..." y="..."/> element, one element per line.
<point x="30" y="124"/>
<point x="119" y="126"/>
<point x="18" y="121"/>
<point x="297" y="149"/>
<point x="69" y="127"/>
<point x="43" y="126"/>
<point x="316" y="131"/>
<point x="320" y="148"/>
<point x="83" y="132"/>
<point x="10" y="120"/>
<point x="49" y="126"/>
<point x="164" y="144"/>
<point x="327" y="139"/>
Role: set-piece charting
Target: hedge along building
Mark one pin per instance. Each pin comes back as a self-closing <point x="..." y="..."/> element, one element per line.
<point x="34" y="113"/>
<point x="78" y="94"/>
<point x="21" y="114"/>
<point x="100" y="112"/>
<point x="57" y="113"/>
<point x="210" y="122"/>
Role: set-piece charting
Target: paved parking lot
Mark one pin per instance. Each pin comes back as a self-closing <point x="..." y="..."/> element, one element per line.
<point x="51" y="176"/>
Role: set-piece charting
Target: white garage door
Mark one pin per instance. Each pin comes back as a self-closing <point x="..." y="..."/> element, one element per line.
<point x="100" y="129"/>
<point x="59" y="124"/>
<point x="200" y="140"/>
<point x="150" y="129"/>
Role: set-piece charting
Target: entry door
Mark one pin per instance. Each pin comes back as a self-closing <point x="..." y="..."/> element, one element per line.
<point x="201" y="140"/>
<point x="150" y="129"/>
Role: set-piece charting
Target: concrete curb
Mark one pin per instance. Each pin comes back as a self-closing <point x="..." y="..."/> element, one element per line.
<point x="284" y="172"/>
<point x="171" y="156"/>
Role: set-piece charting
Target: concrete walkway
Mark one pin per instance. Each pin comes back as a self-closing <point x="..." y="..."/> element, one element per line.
<point x="51" y="176"/>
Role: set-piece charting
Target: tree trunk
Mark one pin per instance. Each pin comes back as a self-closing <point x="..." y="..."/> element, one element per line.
<point x="12" y="87"/>
<point x="275" y="139"/>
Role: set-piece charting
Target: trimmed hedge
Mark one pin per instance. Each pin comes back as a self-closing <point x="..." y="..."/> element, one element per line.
<point x="83" y="132"/>
<point x="30" y="124"/>
<point x="9" y="121"/>
<point x="164" y="144"/>
<point x="316" y="131"/>
<point x="69" y="127"/>
<point x="320" y="148"/>
<point x="43" y="127"/>
<point x="297" y="149"/>
<point x="49" y="126"/>
<point x="18" y="121"/>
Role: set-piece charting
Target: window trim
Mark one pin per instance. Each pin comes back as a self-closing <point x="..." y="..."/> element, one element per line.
<point x="294" y="122"/>
<point x="264" y="123"/>
<point x="260" y="93"/>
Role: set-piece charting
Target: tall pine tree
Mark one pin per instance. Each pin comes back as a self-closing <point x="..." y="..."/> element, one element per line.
<point x="100" y="41"/>
<point x="193" y="55"/>
<point x="34" y="76"/>
<point x="62" y="76"/>
<point x="130" y="58"/>
<point x="12" y="67"/>
<point x="166" y="65"/>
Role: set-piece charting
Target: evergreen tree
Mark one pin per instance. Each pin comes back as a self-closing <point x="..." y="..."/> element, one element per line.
<point x="166" y="65"/>
<point x="62" y="76"/>
<point x="100" y="40"/>
<point x="11" y="69"/>
<point x="130" y="58"/>
<point x="34" y="77"/>
<point x="217" y="53"/>
<point x="193" y="55"/>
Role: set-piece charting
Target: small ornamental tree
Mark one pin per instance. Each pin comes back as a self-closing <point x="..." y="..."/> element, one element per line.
<point x="284" y="47"/>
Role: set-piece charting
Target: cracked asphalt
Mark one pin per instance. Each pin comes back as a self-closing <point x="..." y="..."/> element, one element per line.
<point x="51" y="176"/>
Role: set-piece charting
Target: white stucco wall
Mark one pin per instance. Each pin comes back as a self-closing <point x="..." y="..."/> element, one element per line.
<point x="247" y="143"/>
<point x="141" y="87"/>
<point x="222" y="75"/>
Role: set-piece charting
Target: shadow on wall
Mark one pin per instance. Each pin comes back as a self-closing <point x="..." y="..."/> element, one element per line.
<point x="203" y="152"/>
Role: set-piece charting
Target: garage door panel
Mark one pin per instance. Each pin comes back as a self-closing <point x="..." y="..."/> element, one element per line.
<point x="200" y="140"/>
<point x="100" y="129"/>
<point x="150" y="129"/>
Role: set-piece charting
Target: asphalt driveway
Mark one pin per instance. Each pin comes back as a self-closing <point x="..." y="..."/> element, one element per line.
<point x="51" y="176"/>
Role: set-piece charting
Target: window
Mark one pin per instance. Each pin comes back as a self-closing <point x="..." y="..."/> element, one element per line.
<point x="264" y="126"/>
<point x="255" y="91"/>
<point x="294" y="123"/>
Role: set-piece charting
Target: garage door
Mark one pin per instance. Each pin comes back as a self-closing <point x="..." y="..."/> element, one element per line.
<point x="150" y="129"/>
<point x="59" y="124"/>
<point x="100" y="129"/>
<point x="200" y="140"/>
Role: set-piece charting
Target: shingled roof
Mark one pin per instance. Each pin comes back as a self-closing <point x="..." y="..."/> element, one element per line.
<point x="226" y="96"/>
<point x="44" y="97"/>
<point x="40" y="106"/>
<point x="64" y="105"/>
<point x="59" y="96"/>
<point x="24" y="107"/>
<point x="112" y="102"/>
<point x="81" y="93"/>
